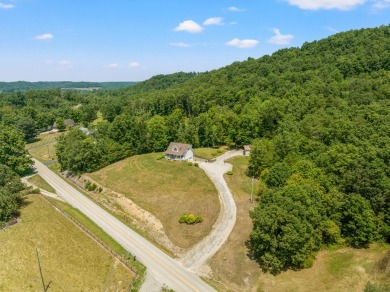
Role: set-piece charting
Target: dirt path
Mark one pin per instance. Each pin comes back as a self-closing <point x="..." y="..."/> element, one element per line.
<point x="196" y="258"/>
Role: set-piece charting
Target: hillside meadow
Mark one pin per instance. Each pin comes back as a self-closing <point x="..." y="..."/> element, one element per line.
<point x="167" y="189"/>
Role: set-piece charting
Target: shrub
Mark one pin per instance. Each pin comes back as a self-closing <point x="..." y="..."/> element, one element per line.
<point x="35" y="191"/>
<point x="161" y="157"/>
<point x="189" y="163"/>
<point x="100" y="189"/>
<point x="219" y="151"/>
<point x="229" y="172"/>
<point x="90" y="186"/>
<point x="190" y="219"/>
<point x="214" y="153"/>
<point x="196" y="164"/>
<point x="198" y="219"/>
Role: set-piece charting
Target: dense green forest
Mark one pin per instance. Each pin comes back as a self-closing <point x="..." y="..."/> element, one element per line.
<point x="24" y="85"/>
<point x="318" y="118"/>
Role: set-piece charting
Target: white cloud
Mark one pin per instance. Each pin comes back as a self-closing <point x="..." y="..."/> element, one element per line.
<point x="242" y="44"/>
<point x="45" y="36"/>
<point x="280" y="39"/>
<point x="326" y="4"/>
<point x="381" y="4"/>
<point x="6" y="6"/>
<point x="134" y="65"/>
<point x="112" y="65"/>
<point x="235" y="9"/>
<point x="189" y="26"/>
<point x="213" y="21"/>
<point x="233" y="22"/>
<point x="180" y="44"/>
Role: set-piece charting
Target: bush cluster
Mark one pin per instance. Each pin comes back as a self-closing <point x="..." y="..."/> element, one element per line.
<point x="90" y="186"/>
<point x="190" y="219"/>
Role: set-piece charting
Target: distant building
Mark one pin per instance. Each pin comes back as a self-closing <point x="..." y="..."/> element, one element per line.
<point x="179" y="151"/>
<point x="247" y="149"/>
<point x="69" y="123"/>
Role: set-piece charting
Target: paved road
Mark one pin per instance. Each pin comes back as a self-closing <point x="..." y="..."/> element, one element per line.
<point x="160" y="266"/>
<point x="222" y="228"/>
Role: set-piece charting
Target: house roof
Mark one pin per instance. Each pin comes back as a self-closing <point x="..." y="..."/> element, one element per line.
<point x="69" y="122"/>
<point x="177" y="149"/>
<point x="247" y="147"/>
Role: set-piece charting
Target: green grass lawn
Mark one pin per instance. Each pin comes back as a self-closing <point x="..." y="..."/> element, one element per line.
<point x="209" y="153"/>
<point x="39" y="182"/>
<point x="43" y="149"/>
<point x="167" y="189"/>
<point x="70" y="259"/>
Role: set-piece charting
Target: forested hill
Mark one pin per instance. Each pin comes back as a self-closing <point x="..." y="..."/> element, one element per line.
<point x="315" y="68"/>
<point x="159" y="82"/>
<point x="24" y="85"/>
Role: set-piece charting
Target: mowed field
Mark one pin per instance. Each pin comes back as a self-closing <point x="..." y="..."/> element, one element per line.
<point x="70" y="259"/>
<point x="43" y="149"/>
<point x="345" y="269"/>
<point x="167" y="189"/>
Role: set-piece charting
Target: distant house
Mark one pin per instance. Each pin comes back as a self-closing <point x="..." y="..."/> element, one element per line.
<point x="247" y="149"/>
<point x="69" y="123"/>
<point x="179" y="151"/>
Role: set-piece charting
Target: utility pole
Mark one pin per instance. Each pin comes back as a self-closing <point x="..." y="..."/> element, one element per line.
<point x="40" y="271"/>
<point x="252" y="191"/>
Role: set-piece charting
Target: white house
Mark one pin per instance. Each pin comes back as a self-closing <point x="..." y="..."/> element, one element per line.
<point x="179" y="151"/>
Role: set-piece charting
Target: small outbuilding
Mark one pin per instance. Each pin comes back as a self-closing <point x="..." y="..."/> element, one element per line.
<point x="179" y="151"/>
<point x="247" y="149"/>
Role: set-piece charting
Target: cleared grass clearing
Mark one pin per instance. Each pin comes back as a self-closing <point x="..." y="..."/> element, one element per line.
<point x="167" y="189"/>
<point x="209" y="153"/>
<point x="70" y="260"/>
<point x="39" y="182"/>
<point x="43" y="149"/>
<point x="345" y="269"/>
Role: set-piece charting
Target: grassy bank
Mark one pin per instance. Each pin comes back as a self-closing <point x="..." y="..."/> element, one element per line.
<point x="39" y="182"/>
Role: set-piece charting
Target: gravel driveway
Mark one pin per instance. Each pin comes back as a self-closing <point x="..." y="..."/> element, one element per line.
<point x="222" y="228"/>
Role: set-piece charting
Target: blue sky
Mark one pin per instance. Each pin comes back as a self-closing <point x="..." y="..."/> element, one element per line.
<point x="132" y="40"/>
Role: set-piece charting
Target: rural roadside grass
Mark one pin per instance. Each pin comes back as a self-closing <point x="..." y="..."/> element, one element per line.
<point x="70" y="259"/>
<point x="39" y="182"/>
<point x="103" y="236"/>
<point x="43" y="148"/>
<point x="344" y="269"/>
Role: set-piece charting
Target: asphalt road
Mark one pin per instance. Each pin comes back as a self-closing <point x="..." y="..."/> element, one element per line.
<point x="162" y="267"/>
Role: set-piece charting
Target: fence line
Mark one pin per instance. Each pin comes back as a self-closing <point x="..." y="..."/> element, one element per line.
<point x="98" y="240"/>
